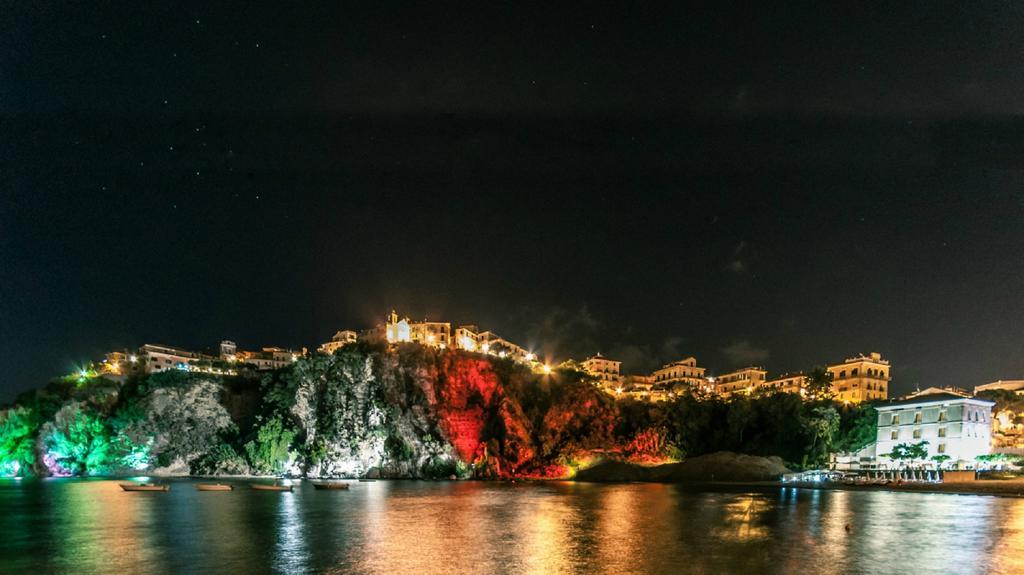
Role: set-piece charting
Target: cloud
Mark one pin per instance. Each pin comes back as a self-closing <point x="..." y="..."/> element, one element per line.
<point x="738" y="265"/>
<point x="644" y="358"/>
<point x="743" y="353"/>
<point x="558" y="333"/>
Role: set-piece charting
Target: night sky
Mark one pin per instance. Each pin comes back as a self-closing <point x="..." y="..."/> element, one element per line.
<point x="786" y="186"/>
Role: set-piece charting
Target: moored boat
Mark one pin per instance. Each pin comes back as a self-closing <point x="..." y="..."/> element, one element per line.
<point x="214" y="487"/>
<point x="366" y="480"/>
<point x="270" y="487"/>
<point x="330" y="485"/>
<point x="144" y="487"/>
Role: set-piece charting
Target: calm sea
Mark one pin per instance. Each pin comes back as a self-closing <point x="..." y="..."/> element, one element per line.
<point x="91" y="526"/>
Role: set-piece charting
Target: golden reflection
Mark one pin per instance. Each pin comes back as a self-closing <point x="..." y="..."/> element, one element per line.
<point x="101" y="528"/>
<point x="632" y="519"/>
<point x="743" y="518"/>
<point x="545" y="527"/>
<point x="1008" y="548"/>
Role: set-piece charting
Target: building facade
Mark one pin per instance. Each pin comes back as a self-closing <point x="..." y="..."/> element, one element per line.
<point x="861" y="378"/>
<point x="494" y="344"/>
<point x="740" y="381"/>
<point x="155" y="358"/>
<point x="270" y="357"/>
<point x="684" y="373"/>
<point x="788" y="383"/>
<point x="340" y="340"/>
<point x="606" y="371"/>
<point x="954" y="426"/>
<point x="1014" y="385"/>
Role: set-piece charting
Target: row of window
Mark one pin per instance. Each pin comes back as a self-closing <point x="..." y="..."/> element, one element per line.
<point x="870" y="372"/>
<point x="972" y="416"/>
<point x="917" y="433"/>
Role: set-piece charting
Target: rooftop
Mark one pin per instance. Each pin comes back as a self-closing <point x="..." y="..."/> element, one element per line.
<point x="922" y="399"/>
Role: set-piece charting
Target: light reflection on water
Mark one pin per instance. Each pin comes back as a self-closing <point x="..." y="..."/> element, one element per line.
<point x="475" y="527"/>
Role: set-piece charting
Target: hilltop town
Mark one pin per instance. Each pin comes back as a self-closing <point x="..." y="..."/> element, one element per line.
<point x="856" y="379"/>
<point x="644" y="417"/>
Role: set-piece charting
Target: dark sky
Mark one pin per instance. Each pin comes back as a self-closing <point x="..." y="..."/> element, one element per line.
<point x="785" y="186"/>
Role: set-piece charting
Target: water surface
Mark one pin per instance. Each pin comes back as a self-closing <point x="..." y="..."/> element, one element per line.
<point x="91" y="526"/>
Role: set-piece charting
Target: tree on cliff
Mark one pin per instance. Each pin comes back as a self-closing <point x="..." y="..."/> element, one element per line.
<point x="76" y="442"/>
<point x="819" y="383"/>
<point x="269" y="452"/>
<point x="18" y="426"/>
<point x="821" y="425"/>
<point x="858" y="426"/>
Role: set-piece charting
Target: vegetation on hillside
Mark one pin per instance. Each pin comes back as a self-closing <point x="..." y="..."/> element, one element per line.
<point x="410" y="411"/>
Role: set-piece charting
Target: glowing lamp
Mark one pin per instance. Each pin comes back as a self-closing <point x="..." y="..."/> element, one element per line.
<point x="530" y="356"/>
<point x="546" y="369"/>
<point x="486" y="347"/>
<point x="133" y="358"/>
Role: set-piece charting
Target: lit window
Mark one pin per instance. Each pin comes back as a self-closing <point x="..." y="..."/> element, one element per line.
<point x="942" y="432"/>
<point x="895" y="435"/>
<point x="942" y="448"/>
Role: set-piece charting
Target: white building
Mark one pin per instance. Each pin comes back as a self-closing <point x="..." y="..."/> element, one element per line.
<point x="155" y="358"/>
<point x="953" y="425"/>
<point x="605" y="370"/>
<point x="682" y="373"/>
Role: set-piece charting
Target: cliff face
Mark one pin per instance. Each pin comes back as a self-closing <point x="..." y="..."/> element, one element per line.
<point x="405" y="412"/>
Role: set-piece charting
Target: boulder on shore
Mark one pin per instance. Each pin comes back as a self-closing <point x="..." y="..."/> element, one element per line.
<point x="720" y="466"/>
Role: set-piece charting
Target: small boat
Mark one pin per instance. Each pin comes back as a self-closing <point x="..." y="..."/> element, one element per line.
<point x="365" y="480"/>
<point x="270" y="487"/>
<point x="144" y="487"/>
<point x="330" y="485"/>
<point x="214" y="487"/>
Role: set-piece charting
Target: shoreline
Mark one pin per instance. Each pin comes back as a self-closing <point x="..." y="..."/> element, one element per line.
<point x="993" y="487"/>
<point x="1013" y="488"/>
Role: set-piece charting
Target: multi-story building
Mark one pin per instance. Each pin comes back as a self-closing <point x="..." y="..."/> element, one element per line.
<point x="684" y="373"/>
<point x="953" y="425"/>
<point x="155" y="358"/>
<point x="228" y="350"/>
<point x="606" y="371"/>
<point x="788" y="383"/>
<point x="861" y="378"/>
<point x="432" y="333"/>
<point x="639" y="386"/>
<point x="739" y="381"/>
<point x="1008" y="422"/>
<point x="1014" y="385"/>
<point x="270" y="357"/>
<point x="340" y="340"/>
<point x="402" y="330"/>
<point x="492" y="343"/>
<point x="439" y="334"/>
<point x="467" y="337"/>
